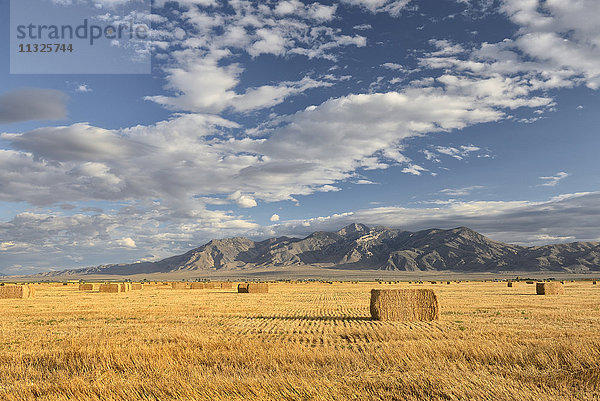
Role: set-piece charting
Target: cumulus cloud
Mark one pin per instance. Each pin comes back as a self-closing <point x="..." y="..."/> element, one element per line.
<point x="393" y="7"/>
<point x="32" y="104"/>
<point x="243" y="201"/>
<point x="201" y="73"/>
<point x="556" y="46"/>
<point x="126" y="242"/>
<point x="274" y="217"/>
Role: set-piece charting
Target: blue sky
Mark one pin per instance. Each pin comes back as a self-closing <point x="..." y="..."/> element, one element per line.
<point x="287" y="117"/>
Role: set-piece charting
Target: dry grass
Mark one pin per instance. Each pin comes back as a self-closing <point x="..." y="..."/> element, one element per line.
<point x="404" y="305"/>
<point x="302" y="341"/>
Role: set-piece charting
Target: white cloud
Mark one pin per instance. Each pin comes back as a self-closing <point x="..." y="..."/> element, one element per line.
<point x="460" y="191"/>
<point x="83" y="88"/>
<point x="126" y="242"/>
<point x="394" y="66"/>
<point x="243" y="201"/>
<point x="275" y="217"/>
<point x="201" y="73"/>
<point x="556" y="46"/>
<point x="458" y="153"/>
<point x="552" y="181"/>
<point x="414" y="169"/>
<point x="393" y="7"/>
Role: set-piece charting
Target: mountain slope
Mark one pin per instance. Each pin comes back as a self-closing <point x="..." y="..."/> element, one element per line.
<point x="360" y="247"/>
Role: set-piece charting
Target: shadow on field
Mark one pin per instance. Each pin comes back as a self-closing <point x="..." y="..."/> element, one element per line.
<point x="302" y="317"/>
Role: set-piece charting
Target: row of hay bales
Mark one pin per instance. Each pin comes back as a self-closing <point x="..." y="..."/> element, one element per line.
<point x="182" y="285"/>
<point x="110" y="287"/>
<point x="17" y="291"/>
<point x="544" y="288"/>
<point x="422" y="304"/>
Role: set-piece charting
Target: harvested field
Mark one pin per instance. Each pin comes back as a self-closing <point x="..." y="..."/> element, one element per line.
<point x="299" y="341"/>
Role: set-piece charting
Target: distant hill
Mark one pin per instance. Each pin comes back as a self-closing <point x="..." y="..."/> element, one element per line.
<point x="357" y="246"/>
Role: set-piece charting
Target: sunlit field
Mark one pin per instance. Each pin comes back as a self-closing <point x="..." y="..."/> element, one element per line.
<point x="299" y="342"/>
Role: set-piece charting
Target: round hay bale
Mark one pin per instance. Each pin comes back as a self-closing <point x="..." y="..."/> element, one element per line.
<point x="248" y="288"/>
<point x="88" y="287"/>
<point x="112" y="287"/>
<point x="179" y="285"/>
<point x="549" y="288"/>
<point x="17" y="291"/>
<point x="404" y="305"/>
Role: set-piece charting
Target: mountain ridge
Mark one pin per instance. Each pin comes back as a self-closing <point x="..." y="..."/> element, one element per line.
<point x="359" y="247"/>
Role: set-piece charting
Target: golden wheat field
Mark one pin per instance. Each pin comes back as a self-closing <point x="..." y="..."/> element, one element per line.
<point x="299" y="342"/>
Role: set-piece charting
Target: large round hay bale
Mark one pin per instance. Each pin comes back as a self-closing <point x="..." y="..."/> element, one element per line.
<point x="17" y="291"/>
<point x="112" y="287"/>
<point x="549" y="288"/>
<point x="179" y="285"/>
<point x="253" y="288"/>
<point x="510" y="284"/>
<point x="88" y="287"/>
<point x="405" y="305"/>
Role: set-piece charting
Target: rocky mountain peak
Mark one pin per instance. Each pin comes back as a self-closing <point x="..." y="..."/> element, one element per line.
<point x="353" y="229"/>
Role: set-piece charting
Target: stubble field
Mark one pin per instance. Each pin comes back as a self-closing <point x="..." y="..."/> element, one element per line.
<point x="300" y="342"/>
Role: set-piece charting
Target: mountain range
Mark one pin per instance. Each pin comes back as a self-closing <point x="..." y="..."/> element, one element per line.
<point x="360" y="247"/>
